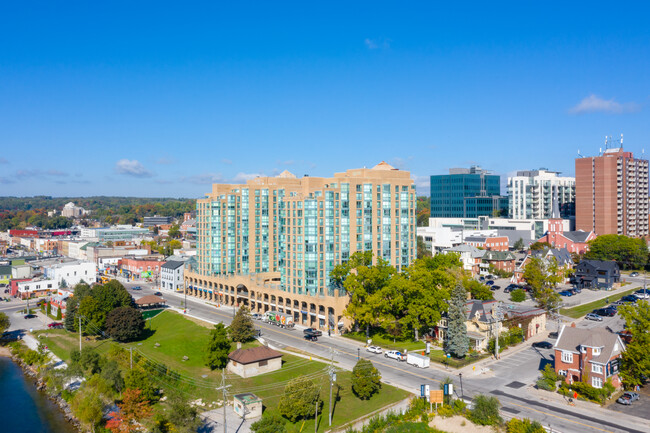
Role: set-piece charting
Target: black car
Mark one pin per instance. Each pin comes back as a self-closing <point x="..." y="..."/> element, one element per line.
<point x="30" y="316"/>
<point x="630" y="298"/>
<point x="312" y="331"/>
<point x="510" y="287"/>
<point x="158" y="294"/>
<point x="606" y="312"/>
<point x="495" y="287"/>
<point x="489" y="283"/>
<point x="543" y="345"/>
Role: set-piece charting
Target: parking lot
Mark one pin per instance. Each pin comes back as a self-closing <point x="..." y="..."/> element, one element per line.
<point x="640" y="408"/>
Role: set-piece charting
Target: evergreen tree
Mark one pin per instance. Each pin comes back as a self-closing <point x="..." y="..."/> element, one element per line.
<point x="216" y="354"/>
<point x="299" y="400"/>
<point x="457" y="341"/>
<point x="242" y="328"/>
<point x="366" y="379"/>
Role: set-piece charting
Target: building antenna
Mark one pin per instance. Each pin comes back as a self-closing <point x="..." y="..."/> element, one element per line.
<point x="579" y="155"/>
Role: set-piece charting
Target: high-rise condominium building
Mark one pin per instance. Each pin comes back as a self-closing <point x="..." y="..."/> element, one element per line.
<point x="271" y="243"/>
<point x="530" y="194"/>
<point x="467" y="193"/>
<point x="612" y="194"/>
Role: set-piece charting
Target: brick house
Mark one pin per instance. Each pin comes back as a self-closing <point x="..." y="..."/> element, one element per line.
<point x="574" y="241"/>
<point x="594" y="352"/>
<point x="561" y="256"/>
<point x="494" y="243"/>
<point x="502" y="260"/>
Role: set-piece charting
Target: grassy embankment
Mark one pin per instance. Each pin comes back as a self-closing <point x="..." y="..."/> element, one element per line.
<point x="178" y="336"/>
<point x="580" y="310"/>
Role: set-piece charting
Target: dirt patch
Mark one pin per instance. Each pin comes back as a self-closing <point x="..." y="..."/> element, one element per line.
<point x="5" y="351"/>
<point x="458" y="424"/>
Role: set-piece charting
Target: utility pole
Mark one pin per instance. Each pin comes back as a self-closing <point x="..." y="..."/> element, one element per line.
<point x="316" y="417"/>
<point x="131" y="356"/>
<point x="223" y="388"/>
<point x="80" y="334"/>
<point x="332" y="374"/>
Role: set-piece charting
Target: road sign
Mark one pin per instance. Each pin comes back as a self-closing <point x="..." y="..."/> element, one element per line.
<point x="426" y="391"/>
<point x="436" y="396"/>
<point x="448" y="389"/>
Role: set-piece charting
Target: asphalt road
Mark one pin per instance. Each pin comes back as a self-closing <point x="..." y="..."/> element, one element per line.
<point x="510" y="379"/>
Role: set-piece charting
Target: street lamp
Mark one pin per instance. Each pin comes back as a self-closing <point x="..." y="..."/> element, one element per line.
<point x="462" y="394"/>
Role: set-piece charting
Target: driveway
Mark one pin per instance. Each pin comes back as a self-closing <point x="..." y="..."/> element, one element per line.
<point x="640" y="408"/>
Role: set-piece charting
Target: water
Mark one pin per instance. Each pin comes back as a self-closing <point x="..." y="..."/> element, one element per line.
<point x="23" y="409"/>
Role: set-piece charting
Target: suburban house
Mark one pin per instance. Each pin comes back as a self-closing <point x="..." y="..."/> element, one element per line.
<point x="490" y="243"/>
<point x="561" y="256"/>
<point x="597" y="274"/>
<point x="502" y="260"/>
<point x="481" y="324"/>
<point x="594" y="353"/>
<point x="470" y="257"/>
<point x="254" y="361"/>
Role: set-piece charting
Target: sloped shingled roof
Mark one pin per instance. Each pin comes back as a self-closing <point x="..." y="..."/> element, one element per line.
<point x="570" y="339"/>
<point x="150" y="300"/>
<point x="254" y="354"/>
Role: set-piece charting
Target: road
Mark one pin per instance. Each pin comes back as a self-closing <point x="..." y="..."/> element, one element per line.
<point x="509" y="379"/>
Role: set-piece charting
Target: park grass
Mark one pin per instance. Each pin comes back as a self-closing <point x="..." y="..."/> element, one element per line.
<point x="580" y="310"/>
<point x="180" y="337"/>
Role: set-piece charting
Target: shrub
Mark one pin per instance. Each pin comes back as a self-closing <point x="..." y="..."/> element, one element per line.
<point x="486" y="410"/>
<point x="518" y="295"/>
<point x="549" y="379"/>
<point x="366" y="379"/>
<point x="270" y="423"/>
<point x="524" y="426"/>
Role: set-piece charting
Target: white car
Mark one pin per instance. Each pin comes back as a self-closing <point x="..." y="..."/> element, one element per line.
<point x="395" y="355"/>
<point x="373" y="349"/>
<point x="256" y="316"/>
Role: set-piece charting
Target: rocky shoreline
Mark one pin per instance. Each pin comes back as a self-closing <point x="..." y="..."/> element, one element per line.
<point x="41" y="386"/>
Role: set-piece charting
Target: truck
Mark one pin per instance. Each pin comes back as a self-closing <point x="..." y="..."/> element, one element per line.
<point x="282" y="320"/>
<point x="420" y="361"/>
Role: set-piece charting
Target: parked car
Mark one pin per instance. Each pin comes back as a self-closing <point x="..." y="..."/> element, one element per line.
<point x="394" y="354"/>
<point x="495" y="287"/>
<point x="543" y="345"/>
<point x="481" y="278"/>
<point x="490" y="277"/>
<point x="158" y="294"/>
<point x="642" y="293"/>
<point x="594" y="316"/>
<point x="565" y="293"/>
<point x="30" y="316"/>
<point x="136" y="288"/>
<point x="55" y="325"/>
<point x="489" y="283"/>
<point x="510" y="287"/>
<point x="628" y="397"/>
<point x="634" y="274"/>
<point x="256" y="316"/>
<point x="373" y="349"/>
<point x="606" y="312"/>
<point x="312" y="331"/>
<point x="630" y="298"/>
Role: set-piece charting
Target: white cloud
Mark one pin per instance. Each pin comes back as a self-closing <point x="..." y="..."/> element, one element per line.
<point x="422" y="184"/>
<point x="131" y="168"/>
<point x="243" y="177"/>
<point x="374" y="44"/>
<point x="203" y="179"/>
<point x="593" y="104"/>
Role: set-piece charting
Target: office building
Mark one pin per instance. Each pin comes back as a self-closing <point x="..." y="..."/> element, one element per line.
<point x="271" y="243"/>
<point x="612" y="193"/>
<point x="530" y="194"/>
<point x="467" y="193"/>
<point x="151" y="221"/>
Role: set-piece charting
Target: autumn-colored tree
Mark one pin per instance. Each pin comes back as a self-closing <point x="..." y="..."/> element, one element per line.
<point x="133" y="410"/>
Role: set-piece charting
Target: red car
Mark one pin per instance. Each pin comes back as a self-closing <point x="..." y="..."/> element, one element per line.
<point x="55" y="325"/>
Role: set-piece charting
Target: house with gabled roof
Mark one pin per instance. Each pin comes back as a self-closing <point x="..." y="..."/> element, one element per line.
<point x="560" y="255"/>
<point x="502" y="260"/>
<point x="253" y="361"/>
<point x="576" y="241"/>
<point x="597" y="274"/>
<point x="470" y="257"/>
<point x="593" y="354"/>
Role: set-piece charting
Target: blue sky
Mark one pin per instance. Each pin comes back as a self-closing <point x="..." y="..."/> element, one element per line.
<point x="162" y="99"/>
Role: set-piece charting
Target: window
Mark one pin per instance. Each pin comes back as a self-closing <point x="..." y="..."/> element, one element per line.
<point x="595" y="368"/>
<point x="597" y="382"/>
<point x="567" y="357"/>
<point x="263" y="363"/>
<point x="596" y="351"/>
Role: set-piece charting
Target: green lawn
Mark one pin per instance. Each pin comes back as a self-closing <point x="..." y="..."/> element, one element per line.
<point x="180" y="337"/>
<point x="580" y="310"/>
<point x="387" y="342"/>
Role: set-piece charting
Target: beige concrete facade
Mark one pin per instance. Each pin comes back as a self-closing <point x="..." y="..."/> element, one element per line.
<point x="279" y="238"/>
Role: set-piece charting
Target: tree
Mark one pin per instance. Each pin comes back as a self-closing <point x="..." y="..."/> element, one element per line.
<point x="538" y="246"/>
<point x="112" y="295"/>
<point x="88" y="407"/>
<point x="361" y="279"/>
<point x="241" y="328"/>
<point x="543" y="275"/>
<point x="366" y="379"/>
<point x="59" y="315"/>
<point x="182" y="415"/>
<point x="270" y="423"/>
<point x="485" y="411"/>
<point x="124" y="324"/>
<point x="299" y="399"/>
<point x="457" y="341"/>
<point x="112" y="373"/>
<point x="518" y="295"/>
<point x="174" y="232"/>
<point x="48" y="309"/>
<point x="635" y="363"/>
<point x="5" y="322"/>
<point x="71" y="323"/>
<point x="422" y="250"/>
<point x="216" y="353"/>
<point x="524" y="426"/>
<point x="92" y="315"/>
<point x="477" y="290"/>
<point x="629" y="253"/>
<point x="137" y="378"/>
<point x="519" y="245"/>
<point x="133" y="410"/>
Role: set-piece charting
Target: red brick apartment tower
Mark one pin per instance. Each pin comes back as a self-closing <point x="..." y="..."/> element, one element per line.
<point x="612" y="194"/>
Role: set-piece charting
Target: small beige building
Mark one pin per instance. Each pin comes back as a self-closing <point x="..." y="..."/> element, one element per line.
<point x="254" y="361"/>
<point x="247" y="405"/>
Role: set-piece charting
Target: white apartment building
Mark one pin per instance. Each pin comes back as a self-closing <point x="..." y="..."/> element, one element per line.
<point x="530" y="194"/>
<point x="72" y="272"/>
<point x="171" y="276"/>
<point x="70" y="210"/>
